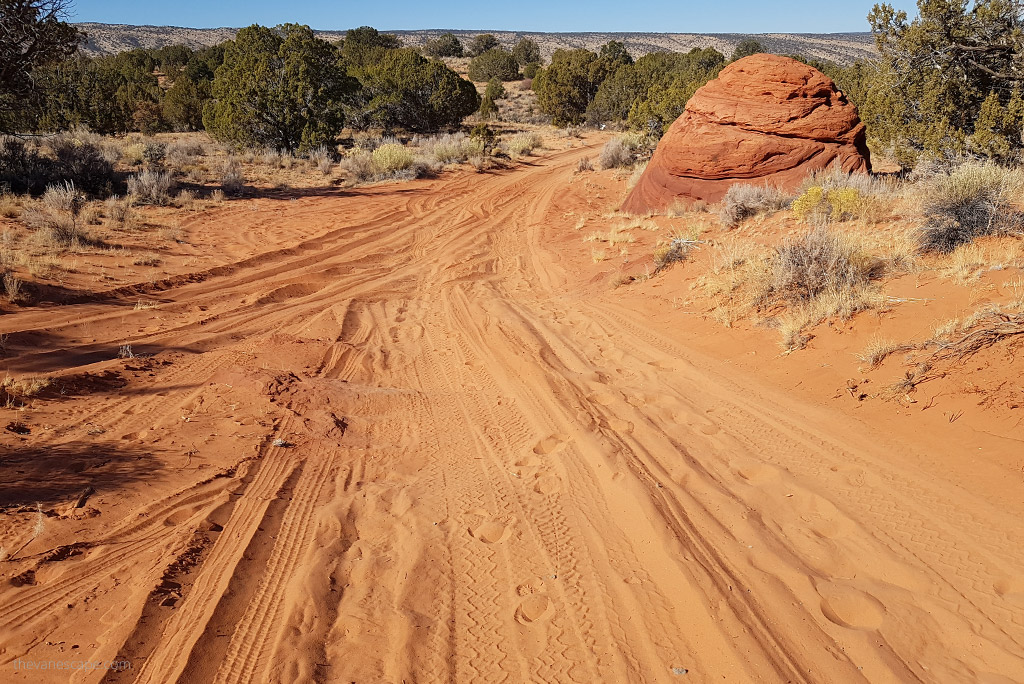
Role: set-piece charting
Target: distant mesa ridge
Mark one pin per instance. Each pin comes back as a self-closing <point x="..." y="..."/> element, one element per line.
<point x="843" y="48"/>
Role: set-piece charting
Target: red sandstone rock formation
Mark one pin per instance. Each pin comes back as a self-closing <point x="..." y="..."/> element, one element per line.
<point x="764" y="120"/>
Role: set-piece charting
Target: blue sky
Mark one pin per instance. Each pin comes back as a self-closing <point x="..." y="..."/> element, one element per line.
<point x="679" y="16"/>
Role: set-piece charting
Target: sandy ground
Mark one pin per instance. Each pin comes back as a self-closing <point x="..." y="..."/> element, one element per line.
<point x="423" y="440"/>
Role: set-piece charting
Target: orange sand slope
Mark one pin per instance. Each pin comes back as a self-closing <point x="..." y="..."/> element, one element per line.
<point x="412" y="447"/>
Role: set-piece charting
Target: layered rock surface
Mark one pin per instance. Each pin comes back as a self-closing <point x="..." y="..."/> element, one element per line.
<point x="766" y="120"/>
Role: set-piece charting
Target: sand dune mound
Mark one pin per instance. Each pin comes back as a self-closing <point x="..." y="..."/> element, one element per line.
<point x="765" y="119"/>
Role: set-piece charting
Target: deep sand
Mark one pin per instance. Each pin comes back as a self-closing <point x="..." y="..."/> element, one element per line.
<point x="395" y="436"/>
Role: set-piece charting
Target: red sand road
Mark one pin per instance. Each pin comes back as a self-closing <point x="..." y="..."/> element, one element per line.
<point x="411" y="445"/>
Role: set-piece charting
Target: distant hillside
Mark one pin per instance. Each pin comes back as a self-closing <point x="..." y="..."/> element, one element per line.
<point x="838" y="47"/>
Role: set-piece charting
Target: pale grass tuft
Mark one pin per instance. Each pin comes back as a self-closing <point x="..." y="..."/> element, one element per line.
<point x="523" y="144"/>
<point x="971" y="201"/>
<point x="744" y="201"/>
<point x="966" y="264"/>
<point x="616" y="235"/>
<point x="24" y="388"/>
<point x="10" y="206"/>
<point x="638" y="173"/>
<point x="878" y="348"/>
<point x="12" y="288"/>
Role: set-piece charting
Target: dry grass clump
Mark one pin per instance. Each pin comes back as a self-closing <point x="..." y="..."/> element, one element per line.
<point x="55" y="217"/>
<point x="634" y="178"/>
<point x="10" y="205"/>
<point x="450" y="148"/>
<point x="820" y="260"/>
<point x="524" y="144"/>
<point x="971" y="201"/>
<point x="232" y="179"/>
<point x="151" y="187"/>
<point x="616" y="235"/>
<point x="878" y="349"/>
<point x="584" y="165"/>
<point x="743" y="201"/>
<point x="119" y="211"/>
<point x="182" y="153"/>
<point x="615" y="154"/>
<point x="675" y="250"/>
<point x="323" y="159"/>
<point x="955" y="341"/>
<point x="735" y="265"/>
<point x="387" y="161"/>
<point x="63" y="197"/>
<point x="133" y="154"/>
<point x="816" y="276"/>
<point x="358" y="166"/>
<point x="185" y="199"/>
<point x="833" y="195"/>
<point x="12" y="288"/>
<point x="624" y="151"/>
<point x="14" y="390"/>
<point x="390" y="158"/>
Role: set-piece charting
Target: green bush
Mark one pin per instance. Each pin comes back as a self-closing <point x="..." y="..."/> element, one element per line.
<point x="746" y="48"/>
<point x="184" y="101"/>
<point x="406" y="90"/>
<point x="366" y="45"/>
<point x="531" y="69"/>
<point x="495" y="89"/>
<point x="564" y="89"/>
<point x="570" y="83"/>
<point x="278" y="88"/>
<point x="481" y="44"/>
<point x="526" y="52"/>
<point x="495" y="63"/>
<point x="488" y="107"/>
<point x="670" y="85"/>
<point x="34" y="36"/>
<point x="445" y="45"/>
<point x="616" y="96"/>
<point x="947" y="81"/>
<point x="483" y="133"/>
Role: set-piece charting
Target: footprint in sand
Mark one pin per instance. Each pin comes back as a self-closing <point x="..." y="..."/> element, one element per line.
<point x="602" y="398"/>
<point x="550" y="444"/>
<point x="755" y="472"/>
<point x="851" y="608"/>
<point x="490" y="532"/>
<point x="620" y="426"/>
<point x="528" y="465"/>
<point x="823" y="518"/>
<point x="547" y="484"/>
<point x="1009" y="587"/>
<point x="534" y="608"/>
